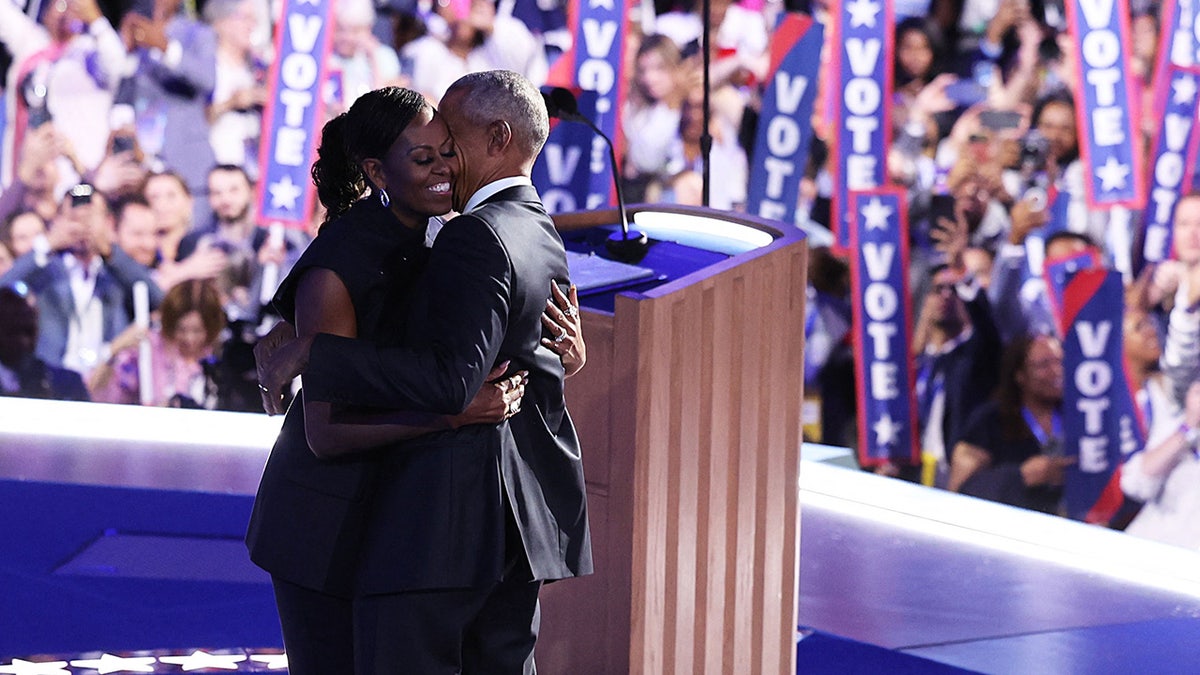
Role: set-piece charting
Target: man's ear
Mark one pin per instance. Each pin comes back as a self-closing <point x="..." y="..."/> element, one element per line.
<point x="500" y="136"/>
<point x="372" y="168"/>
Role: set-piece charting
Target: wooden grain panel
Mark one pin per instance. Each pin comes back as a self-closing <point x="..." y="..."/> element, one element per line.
<point x="696" y="395"/>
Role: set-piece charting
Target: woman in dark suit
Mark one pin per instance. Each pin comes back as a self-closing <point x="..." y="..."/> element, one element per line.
<point x="354" y="280"/>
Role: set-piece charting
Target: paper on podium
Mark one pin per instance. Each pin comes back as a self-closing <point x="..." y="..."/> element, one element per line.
<point x="590" y="272"/>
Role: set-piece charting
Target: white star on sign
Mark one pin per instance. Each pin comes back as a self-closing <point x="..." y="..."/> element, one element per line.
<point x="199" y="659"/>
<point x="876" y="214"/>
<point x="1112" y="174"/>
<point x="271" y="661"/>
<point x="862" y="12"/>
<point x="19" y="667"/>
<point x="1184" y="88"/>
<point x="284" y="194"/>
<point x="886" y="430"/>
<point x="107" y="663"/>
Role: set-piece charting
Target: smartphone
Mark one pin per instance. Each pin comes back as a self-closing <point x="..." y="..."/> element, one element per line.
<point x="966" y="93"/>
<point x="122" y="144"/>
<point x="999" y="120"/>
<point x="941" y="206"/>
<point x="81" y="195"/>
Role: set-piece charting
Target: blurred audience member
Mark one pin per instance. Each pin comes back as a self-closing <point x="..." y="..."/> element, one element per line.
<point x="65" y="70"/>
<point x="1011" y="450"/>
<point x="1176" y="285"/>
<point x="465" y="36"/>
<point x="22" y="373"/>
<point x="955" y="346"/>
<point x="359" y="61"/>
<point x="1166" y="478"/>
<point x="191" y="324"/>
<point x="239" y="93"/>
<point x="729" y="170"/>
<point x="35" y="185"/>
<point x="172" y="85"/>
<point x="917" y="46"/>
<point x="21" y="230"/>
<point x="652" y="118"/>
<point x="82" y="281"/>
<point x="168" y="195"/>
<point x="248" y="248"/>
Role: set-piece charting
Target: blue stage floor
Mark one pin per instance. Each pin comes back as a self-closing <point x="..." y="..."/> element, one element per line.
<point x="133" y="548"/>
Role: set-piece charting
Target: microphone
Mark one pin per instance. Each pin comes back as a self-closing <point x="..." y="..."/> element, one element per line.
<point x="627" y="245"/>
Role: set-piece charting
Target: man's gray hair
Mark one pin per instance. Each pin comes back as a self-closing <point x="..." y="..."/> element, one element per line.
<point x="505" y="95"/>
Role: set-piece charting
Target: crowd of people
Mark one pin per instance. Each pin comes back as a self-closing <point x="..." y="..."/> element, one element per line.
<point x="987" y="145"/>
<point x="130" y="159"/>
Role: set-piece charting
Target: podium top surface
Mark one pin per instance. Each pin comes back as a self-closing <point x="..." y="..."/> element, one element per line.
<point x="682" y="241"/>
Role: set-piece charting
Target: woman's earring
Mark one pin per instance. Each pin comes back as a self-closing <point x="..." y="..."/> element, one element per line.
<point x="384" y="199"/>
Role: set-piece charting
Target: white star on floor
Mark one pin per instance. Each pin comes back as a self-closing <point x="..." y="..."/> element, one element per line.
<point x="862" y="12"/>
<point x="107" y="663"/>
<point x="271" y="661"/>
<point x="876" y="214"/>
<point x="284" y="193"/>
<point x="1113" y="174"/>
<point x="886" y="430"/>
<point x="199" y="659"/>
<point x="1184" y="88"/>
<point x="19" y="667"/>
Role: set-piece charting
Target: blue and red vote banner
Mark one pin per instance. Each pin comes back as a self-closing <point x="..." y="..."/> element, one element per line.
<point x="562" y="172"/>
<point x="1173" y="157"/>
<point x="1179" y="47"/>
<point x="290" y="120"/>
<point x="596" y="63"/>
<point x="863" y="57"/>
<point x="1057" y="272"/>
<point x="882" y="328"/>
<point x="784" y="132"/>
<point x="1099" y="412"/>
<point x="1106" y="105"/>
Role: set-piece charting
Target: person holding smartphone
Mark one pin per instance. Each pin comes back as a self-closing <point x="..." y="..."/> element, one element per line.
<point x="83" y="282"/>
<point x="64" y="72"/>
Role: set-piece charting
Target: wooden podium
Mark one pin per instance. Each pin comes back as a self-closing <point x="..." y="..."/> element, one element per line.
<point x="689" y="417"/>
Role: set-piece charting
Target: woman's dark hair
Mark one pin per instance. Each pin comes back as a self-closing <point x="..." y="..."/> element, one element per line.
<point x="924" y="27"/>
<point x="1008" y="391"/>
<point x="368" y="129"/>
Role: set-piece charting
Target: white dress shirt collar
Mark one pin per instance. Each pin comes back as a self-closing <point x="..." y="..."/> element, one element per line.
<point x="487" y="191"/>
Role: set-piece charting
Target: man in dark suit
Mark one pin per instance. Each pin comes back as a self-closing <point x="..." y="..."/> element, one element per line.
<point x="466" y="524"/>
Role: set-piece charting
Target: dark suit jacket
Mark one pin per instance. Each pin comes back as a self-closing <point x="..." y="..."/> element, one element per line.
<point x="439" y="515"/>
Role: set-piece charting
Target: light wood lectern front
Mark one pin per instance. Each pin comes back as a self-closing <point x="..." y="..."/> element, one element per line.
<point x="689" y="417"/>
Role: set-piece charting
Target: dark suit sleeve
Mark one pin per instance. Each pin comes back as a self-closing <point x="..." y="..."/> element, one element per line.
<point x="470" y="285"/>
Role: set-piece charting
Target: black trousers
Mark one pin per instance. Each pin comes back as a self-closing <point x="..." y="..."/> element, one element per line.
<point x="474" y="631"/>
<point x="318" y="630"/>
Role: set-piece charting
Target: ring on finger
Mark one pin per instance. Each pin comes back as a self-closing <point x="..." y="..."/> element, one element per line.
<point x="263" y="389"/>
<point x="560" y="337"/>
<point x="570" y="311"/>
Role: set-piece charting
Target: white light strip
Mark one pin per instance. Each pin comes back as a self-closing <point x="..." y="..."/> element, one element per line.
<point x="975" y="522"/>
<point x="676" y="226"/>
<point x="101" y="421"/>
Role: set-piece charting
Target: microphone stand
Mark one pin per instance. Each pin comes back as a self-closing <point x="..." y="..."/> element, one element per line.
<point x="627" y="245"/>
